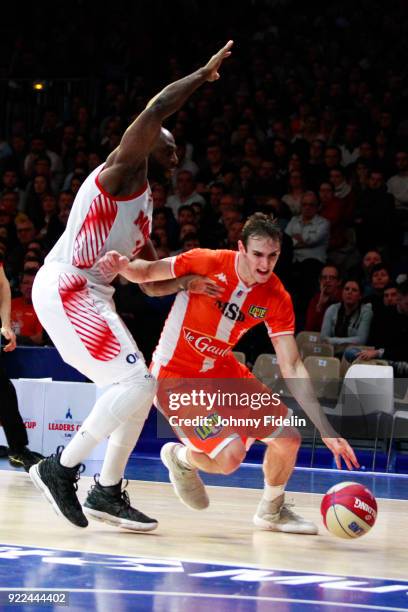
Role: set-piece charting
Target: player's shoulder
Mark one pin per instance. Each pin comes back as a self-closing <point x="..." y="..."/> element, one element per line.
<point x="275" y="289"/>
<point x="218" y="256"/>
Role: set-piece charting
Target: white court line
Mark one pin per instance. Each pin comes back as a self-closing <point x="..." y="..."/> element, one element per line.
<point x="231" y="564"/>
<point x="315" y="602"/>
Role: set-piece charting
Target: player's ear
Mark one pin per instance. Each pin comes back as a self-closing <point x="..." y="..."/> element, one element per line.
<point x="241" y="247"/>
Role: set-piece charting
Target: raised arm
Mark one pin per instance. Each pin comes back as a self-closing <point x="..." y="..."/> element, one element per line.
<point x="129" y="159"/>
<point x="300" y="386"/>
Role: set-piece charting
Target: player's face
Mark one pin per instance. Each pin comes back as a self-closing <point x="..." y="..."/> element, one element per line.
<point x="165" y="151"/>
<point x="260" y="257"/>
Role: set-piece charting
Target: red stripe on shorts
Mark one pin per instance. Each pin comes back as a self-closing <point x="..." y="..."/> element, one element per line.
<point x="88" y="323"/>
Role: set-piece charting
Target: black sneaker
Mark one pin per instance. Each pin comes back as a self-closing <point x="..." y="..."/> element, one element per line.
<point x="24" y="458"/>
<point x="59" y="486"/>
<point x="112" y="505"/>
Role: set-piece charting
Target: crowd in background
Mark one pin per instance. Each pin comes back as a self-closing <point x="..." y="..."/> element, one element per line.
<point x="308" y="122"/>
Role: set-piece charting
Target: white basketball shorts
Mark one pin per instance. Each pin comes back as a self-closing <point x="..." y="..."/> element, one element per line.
<point x="81" y="320"/>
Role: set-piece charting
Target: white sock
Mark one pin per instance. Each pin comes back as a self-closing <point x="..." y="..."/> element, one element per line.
<point x="181" y="454"/>
<point x="120" y="446"/>
<point x="271" y="493"/>
<point x="80" y="447"/>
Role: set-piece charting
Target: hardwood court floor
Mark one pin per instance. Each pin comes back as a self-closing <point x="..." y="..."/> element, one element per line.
<point x="223" y="533"/>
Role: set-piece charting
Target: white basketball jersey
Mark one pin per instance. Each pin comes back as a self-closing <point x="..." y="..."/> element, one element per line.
<point x="99" y="222"/>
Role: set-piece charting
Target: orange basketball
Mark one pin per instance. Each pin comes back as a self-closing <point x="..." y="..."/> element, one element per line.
<point x="349" y="510"/>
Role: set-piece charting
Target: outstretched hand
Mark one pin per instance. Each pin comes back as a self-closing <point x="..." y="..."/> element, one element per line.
<point x="113" y="263"/>
<point x="215" y="62"/>
<point x="341" y="449"/>
<point x="205" y="286"/>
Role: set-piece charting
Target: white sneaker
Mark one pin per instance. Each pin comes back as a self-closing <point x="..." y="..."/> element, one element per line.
<point x="277" y="516"/>
<point x="187" y="483"/>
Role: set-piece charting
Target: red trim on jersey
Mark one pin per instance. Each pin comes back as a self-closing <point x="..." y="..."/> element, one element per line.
<point x="91" y="327"/>
<point x="94" y="231"/>
<point x="120" y="198"/>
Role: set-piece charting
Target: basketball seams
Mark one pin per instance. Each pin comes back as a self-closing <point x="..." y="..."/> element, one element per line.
<point x="343" y="504"/>
<point x="337" y="518"/>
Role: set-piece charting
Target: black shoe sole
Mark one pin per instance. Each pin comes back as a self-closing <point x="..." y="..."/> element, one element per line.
<point x="116" y="521"/>
<point x="41" y="486"/>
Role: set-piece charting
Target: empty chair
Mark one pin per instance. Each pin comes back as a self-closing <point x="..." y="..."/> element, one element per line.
<point x="239" y="356"/>
<point x="305" y="336"/>
<point x="400" y="413"/>
<point x="325" y="375"/>
<point x="368" y="389"/>
<point x="316" y="349"/>
<point x="267" y="369"/>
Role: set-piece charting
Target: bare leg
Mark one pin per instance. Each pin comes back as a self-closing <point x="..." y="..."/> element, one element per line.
<point x="226" y="462"/>
<point x="280" y="457"/>
<point x="203" y="462"/>
<point x="272" y="513"/>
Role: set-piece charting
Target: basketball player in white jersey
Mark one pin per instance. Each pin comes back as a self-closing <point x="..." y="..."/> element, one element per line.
<point x="73" y="300"/>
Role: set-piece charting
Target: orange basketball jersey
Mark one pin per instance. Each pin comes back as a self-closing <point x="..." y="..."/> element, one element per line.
<point x="201" y="330"/>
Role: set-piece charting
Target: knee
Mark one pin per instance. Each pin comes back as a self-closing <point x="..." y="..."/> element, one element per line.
<point x="292" y="439"/>
<point x="231" y="457"/>
<point x="288" y="441"/>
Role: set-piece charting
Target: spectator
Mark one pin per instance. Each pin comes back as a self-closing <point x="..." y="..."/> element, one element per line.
<point x="38" y="149"/>
<point x="332" y="159"/>
<point x="398" y="184"/>
<point x="10" y="183"/>
<point x="330" y="293"/>
<point x="342" y="190"/>
<point x="26" y="232"/>
<point x="185" y="162"/>
<point x="374" y="215"/>
<point x="48" y="211"/>
<point x="398" y="187"/>
<point x="267" y="183"/>
<point x="310" y="236"/>
<point x="380" y="277"/>
<point x="315" y="168"/>
<point x="215" y="166"/>
<point x="58" y="223"/>
<point x="25" y="323"/>
<point x="185" y="193"/>
<point x="390" y="294"/>
<point x="36" y="191"/>
<point x="185" y="215"/>
<point x="251" y="153"/>
<point x="18" y="452"/>
<point x="190" y="241"/>
<point x="350" y="150"/>
<point x="391" y="341"/>
<point x="347" y="322"/>
<point x="296" y="190"/>
<point x="363" y="272"/>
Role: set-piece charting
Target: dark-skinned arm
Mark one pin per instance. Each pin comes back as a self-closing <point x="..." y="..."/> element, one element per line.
<point x="141" y="136"/>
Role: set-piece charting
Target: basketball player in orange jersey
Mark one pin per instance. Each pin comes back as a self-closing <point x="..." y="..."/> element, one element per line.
<point x="73" y="301"/>
<point x="196" y="342"/>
